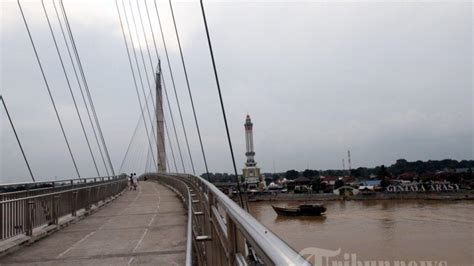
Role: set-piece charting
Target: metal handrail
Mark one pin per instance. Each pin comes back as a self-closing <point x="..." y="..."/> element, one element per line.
<point x="273" y="246"/>
<point x="59" y="192"/>
<point x="81" y="180"/>
<point x="22" y="215"/>
<point x="40" y="188"/>
<point x="223" y="227"/>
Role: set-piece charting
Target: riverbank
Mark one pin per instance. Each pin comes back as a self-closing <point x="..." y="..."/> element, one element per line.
<point x="460" y="195"/>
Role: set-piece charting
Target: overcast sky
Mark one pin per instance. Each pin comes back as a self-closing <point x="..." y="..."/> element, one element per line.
<point x="385" y="79"/>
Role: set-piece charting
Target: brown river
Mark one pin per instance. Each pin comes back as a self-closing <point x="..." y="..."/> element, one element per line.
<point x="408" y="232"/>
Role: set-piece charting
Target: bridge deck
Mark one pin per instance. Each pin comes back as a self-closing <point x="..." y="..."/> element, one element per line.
<point x="147" y="226"/>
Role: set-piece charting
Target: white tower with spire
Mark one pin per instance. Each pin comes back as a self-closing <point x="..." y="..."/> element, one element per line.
<point x="250" y="172"/>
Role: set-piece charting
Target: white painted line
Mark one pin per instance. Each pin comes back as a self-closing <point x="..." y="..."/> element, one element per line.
<point x="75" y="244"/>
<point x="100" y="228"/>
<point x="149" y="223"/>
<point x="140" y="241"/>
<point x="130" y="261"/>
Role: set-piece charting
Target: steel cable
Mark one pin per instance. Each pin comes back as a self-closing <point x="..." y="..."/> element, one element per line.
<point x="86" y="85"/>
<point x="48" y="89"/>
<point x="189" y="88"/>
<point x="133" y="74"/>
<point x="222" y="105"/>
<point x="80" y="88"/>
<point x="69" y="86"/>
<point x="17" y="139"/>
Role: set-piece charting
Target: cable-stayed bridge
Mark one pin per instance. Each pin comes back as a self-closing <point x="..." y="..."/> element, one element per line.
<point x="99" y="220"/>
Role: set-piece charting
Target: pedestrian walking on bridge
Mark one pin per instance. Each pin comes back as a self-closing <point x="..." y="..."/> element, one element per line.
<point x="135" y="181"/>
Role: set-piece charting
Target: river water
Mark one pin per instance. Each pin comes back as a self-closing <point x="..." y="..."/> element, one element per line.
<point x="390" y="230"/>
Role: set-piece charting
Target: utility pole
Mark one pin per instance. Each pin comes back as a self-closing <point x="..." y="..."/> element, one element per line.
<point x="343" y="165"/>
<point x="349" y="161"/>
<point x="160" y="142"/>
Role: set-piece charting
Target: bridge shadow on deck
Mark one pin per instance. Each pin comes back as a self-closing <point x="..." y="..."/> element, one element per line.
<point x="143" y="227"/>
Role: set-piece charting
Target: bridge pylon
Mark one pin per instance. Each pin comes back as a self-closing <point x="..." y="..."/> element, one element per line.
<point x="160" y="142"/>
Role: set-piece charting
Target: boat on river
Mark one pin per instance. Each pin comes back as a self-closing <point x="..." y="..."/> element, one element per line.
<point x="301" y="210"/>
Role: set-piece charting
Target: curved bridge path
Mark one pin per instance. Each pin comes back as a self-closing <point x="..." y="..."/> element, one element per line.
<point x="142" y="227"/>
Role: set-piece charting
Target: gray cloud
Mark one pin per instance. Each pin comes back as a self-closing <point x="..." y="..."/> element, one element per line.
<point x="387" y="80"/>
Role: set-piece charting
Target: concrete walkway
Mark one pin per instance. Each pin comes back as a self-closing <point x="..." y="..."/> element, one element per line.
<point x="143" y="227"/>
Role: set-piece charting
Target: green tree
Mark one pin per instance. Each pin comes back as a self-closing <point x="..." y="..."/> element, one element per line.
<point x="316" y="184"/>
<point x="291" y="174"/>
<point x="383" y="173"/>
<point x="308" y="173"/>
<point x="359" y="172"/>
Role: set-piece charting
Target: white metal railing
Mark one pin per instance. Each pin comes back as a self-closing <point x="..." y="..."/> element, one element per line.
<point x="222" y="232"/>
<point x="21" y="213"/>
<point x="10" y="191"/>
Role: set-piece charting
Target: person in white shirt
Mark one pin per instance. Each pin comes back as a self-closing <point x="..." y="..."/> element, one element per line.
<point x="135" y="181"/>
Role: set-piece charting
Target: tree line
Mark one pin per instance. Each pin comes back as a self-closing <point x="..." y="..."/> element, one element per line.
<point x="399" y="167"/>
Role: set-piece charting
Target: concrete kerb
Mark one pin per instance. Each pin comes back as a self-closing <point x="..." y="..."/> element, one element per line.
<point x="15" y="243"/>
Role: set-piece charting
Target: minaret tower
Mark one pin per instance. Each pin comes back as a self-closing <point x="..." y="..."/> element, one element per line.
<point x="251" y="172"/>
<point x="249" y="143"/>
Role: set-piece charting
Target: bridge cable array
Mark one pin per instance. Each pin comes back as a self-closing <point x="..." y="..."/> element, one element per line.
<point x="48" y="89"/>
<point x="188" y="86"/>
<point x="187" y="80"/>
<point x="80" y="88"/>
<point x="171" y="73"/>
<point x="133" y="138"/>
<point x="81" y="70"/>
<point x="162" y="77"/>
<point x="133" y="73"/>
<point x="141" y="77"/>
<point x="164" y="83"/>
<point x="86" y="87"/>
<point x="171" y="76"/>
<point x="143" y="106"/>
<point x="182" y="122"/>
<point x="69" y="86"/>
<point x="130" y="144"/>
<point x="139" y="147"/>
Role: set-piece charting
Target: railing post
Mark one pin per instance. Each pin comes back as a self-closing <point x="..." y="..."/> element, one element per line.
<point x="232" y="239"/>
<point x="55" y="209"/>
<point x="29" y="216"/>
<point x="209" y="246"/>
<point x="2" y="222"/>
<point x="106" y="191"/>
<point x="74" y="203"/>
<point x="88" y="201"/>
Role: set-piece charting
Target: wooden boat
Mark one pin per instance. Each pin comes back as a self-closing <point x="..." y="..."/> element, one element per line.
<point x="302" y="210"/>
